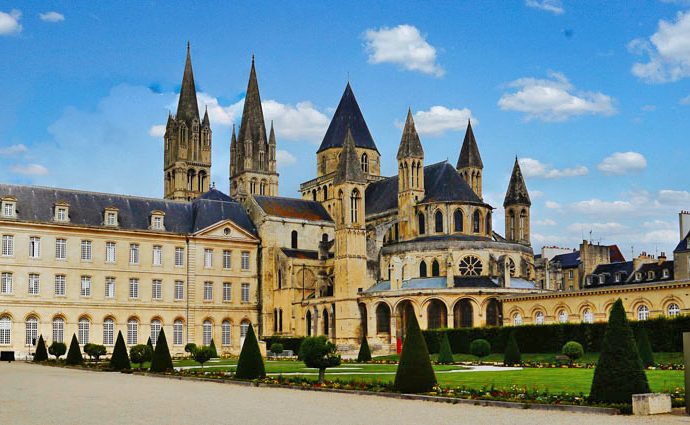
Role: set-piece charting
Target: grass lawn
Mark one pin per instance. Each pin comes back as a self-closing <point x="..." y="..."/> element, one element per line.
<point x="661" y="358"/>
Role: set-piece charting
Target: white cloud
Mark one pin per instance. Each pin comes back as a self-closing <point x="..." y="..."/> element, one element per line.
<point x="9" y="22"/>
<point x="609" y="227"/>
<point x="30" y="170"/>
<point x="545" y="222"/>
<point x="403" y="45"/>
<point x="439" y="119"/>
<point x="285" y="158"/>
<point x="13" y="150"/>
<point x="157" y="131"/>
<point x="685" y="100"/>
<point x="299" y="122"/>
<point x="673" y="197"/>
<point x="552" y="205"/>
<point x="52" y="17"/>
<point x="536" y="194"/>
<point x="623" y="163"/>
<point x="668" y="51"/>
<point x="553" y="6"/>
<point x="554" y="99"/>
<point x="218" y="114"/>
<point x="534" y="168"/>
<point x="597" y="206"/>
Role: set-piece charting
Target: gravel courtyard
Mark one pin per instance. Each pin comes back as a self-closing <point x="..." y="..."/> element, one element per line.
<point x="32" y="394"/>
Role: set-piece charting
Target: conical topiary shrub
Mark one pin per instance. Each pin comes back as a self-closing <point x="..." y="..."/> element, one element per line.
<point x="619" y="373"/>
<point x="150" y="344"/>
<point x="74" y="356"/>
<point x="415" y="373"/>
<point x="120" y="359"/>
<point x="41" y="354"/>
<point x="161" y="361"/>
<point x="644" y="348"/>
<point x="250" y="364"/>
<point x="364" y="352"/>
<point x="214" y="352"/>
<point x="512" y="355"/>
<point x="445" y="354"/>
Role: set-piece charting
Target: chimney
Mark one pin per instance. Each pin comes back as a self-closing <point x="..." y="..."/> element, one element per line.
<point x="662" y="257"/>
<point x="684" y="223"/>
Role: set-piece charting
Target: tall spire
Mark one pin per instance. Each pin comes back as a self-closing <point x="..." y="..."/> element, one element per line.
<point x="347" y="116"/>
<point x="272" y="136"/>
<point x="187" y="107"/>
<point x="252" y="124"/>
<point x="349" y="168"/>
<point x="517" y="189"/>
<point x="410" y="145"/>
<point x="469" y="154"/>
<point x="206" y="121"/>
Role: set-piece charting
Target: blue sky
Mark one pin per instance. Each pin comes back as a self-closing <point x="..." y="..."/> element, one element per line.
<point x="594" y="97"/>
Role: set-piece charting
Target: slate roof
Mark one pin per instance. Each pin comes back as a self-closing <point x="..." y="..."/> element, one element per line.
<point x="615" y="254"/>
<point x="517" y="189"/>
<point x="349" y="168"/>
<point x="216" y="195"/>
<point x="347" y="115"/>
<point x="410" y="145"/>
<point x="683" y="244"/>
<point x="36" y="204"/>
<point x="469" y="153"/>
<point x="442" y="183"/>
<point x="293" y="208"/>
<point x="474" y="282"/>
<point x="658" y="269"/>
<point x="608" y="271"/>
<point x="571" y="259"/>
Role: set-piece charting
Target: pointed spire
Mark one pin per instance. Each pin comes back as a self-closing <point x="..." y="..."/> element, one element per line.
<point x="517" y="189"/>
<point x="349" y="168"/>
<point x="469" y="154"/>
<point x="272" y="136"/>
<point x="410" y="145"/>
<point x="206" y="121"/>
<point x="187" y="107"/>
<point x="233" y="139"/>
<point x="347" y="115"/>
<point x="252" y="123"/>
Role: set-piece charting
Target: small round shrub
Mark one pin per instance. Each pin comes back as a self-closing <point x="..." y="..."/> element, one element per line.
<point x="277" y="348"/>
<point x="190" y="348"/>
<point x="573" y="350"/>
<point x="202" y="354"/>
<point x="57" y="349"/>
<point x="140" y="353"/>
<point x="95" y="351"/>
<point x="480" y="348"/>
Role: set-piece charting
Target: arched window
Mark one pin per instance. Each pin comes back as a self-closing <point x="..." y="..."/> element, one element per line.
<point x="108" y="331"/>
<point x="471" y="265"/>
<point x="226" y="333"/>
<point x="354" y="206"/>
<point x="293" y="239"/>
<point x="421" y="223"/>
<point x="457" y="220"/>
<point x="642" y="312"/>
<point x="341" y="207"/>
<point x="207" y="334"/>
<point x="313" y="195"/>
<point x="673" y="309"/>
<point x="587" y="316"/>
<point x="437" y="315"/>
<point x="132" y="332"/>
<point x="488" y="223"/>
<point x="155" y="330"/>
<point x="422" y="269"/>
<point x="563" y="316"/>
<point x="326" y="322"/>
<point x="438" y="222"/>
<point x="383" y="319"/>
<point x="177" y="332"/>
<point x="325" y="193"/>
<point x="476" y="222"/>
<point x="435" y="269"/>
<point x="32" y="330"/>
<point x="262" y="187"/>
<point x="539" y="318"/>
<point x="493" y="313"/>
<point x="463" y="314"/>
<point x="5" y="330"/>
<point x="365" y="163"/>
<point x="517" y="319"/>
<point x="244" y="328"/>
<point x="511" y="223"/>
<point x="275" y="320"/>
<point x="523" y="224"/>
<point x="58" y="329"/>
<point x="308" y="323"/>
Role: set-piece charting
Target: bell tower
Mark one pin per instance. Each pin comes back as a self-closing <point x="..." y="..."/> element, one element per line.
<point x="470" y="164"/>
<point x="410" y="178"/>
<point x="517" y="208"/>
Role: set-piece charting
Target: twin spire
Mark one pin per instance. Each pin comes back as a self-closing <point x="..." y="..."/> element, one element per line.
<point x="187" y="106"/>
<point x="349" y="169"/>
<point x="410" y="145"/>
<point x="469" y="154"/>
<point x="517" y="189"/>
<point x="252" y="126"/>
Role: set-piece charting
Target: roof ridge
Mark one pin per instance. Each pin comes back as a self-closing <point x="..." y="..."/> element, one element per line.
<point x="92" y="192"/>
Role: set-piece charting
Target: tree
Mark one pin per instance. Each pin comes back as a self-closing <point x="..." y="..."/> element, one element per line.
<point x="480" y="348"/>
<point x="619" y="373"/>
<point x="140" y="353"/>
<point x="645" y="348"/>
<point x="512" y="355"/>
<point x="277" y="348"/>
<point x="74" y="356"/>
<point x="95" y="351"/>
<point x="445" y="354"/>
<point x="57" y="349"/>
<point x="190" y="348"/>
<point x="415" y="373"/>
<point x="318" y="352"/>
<point x="250" y="364"/>
<point x="161" y="362"/>
<point x="150" y="344"/>
<point x="214" y="352"/>
<point x="202" y="355"/>
<point x="120" y="360"/>
<point x="364" y="354"/>
<point x="573" y="350"/>
<point x="41" y="354"/>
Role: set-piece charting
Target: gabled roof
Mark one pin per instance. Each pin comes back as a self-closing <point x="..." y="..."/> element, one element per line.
<point x="293" y="208"/>
<point x="187" y="107"/>
<point x="623" y="268"/>
<point x="683" y="244"/>
<point x="215" y="195"/>
<point x="469" y="153"/>
<point x="571" y="259"/>
<point x="410" y="145"/>
<point x="517" y="189"/>
<point x="658" y="269"/>
<point x="615" y="254"/>
<point x="252" y="126"/>
<point x="347" y="115"/>
<point x="349" y="168"/>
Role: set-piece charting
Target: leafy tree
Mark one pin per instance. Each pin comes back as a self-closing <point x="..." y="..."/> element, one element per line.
<point x="573" y="350"/>
<point x="57" y="349"/>
<point x="190" y="348"/>
<point x="161" y="361"/>
<point x="619" y="373"/>
<point x="644" y="347"/>
<point x="250" y="364"/>
<point x="74" y="356"/>
<point x="277" y="348"/>
<point x="120" y="360"/>
<point x="95" y="351"/>
<point x="415" y="373"/>
<point x="445" y="354"/>
<point x="41" y="354"/>
<point x="512" y="355"/>
<point x="140" y="353"/>
<point x="320" y="353"/>
<point x="202" y="355"/>
<point x="364" y="354"/>
<point x="480" y="348"/>
<point x="214" y="352"/>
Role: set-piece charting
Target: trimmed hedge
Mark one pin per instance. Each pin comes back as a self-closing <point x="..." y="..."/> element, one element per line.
<point x="289" y="343"/>
<point x="665" y="335"/>
<point x="161" y="360"/>
<point x="250" y="365"/>
<point x="41" y="354"/>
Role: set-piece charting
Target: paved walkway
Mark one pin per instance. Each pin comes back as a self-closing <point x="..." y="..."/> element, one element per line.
<point x="32" y="394"/>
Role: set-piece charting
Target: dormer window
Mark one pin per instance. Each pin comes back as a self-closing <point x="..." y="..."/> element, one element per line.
<point x="638" y="276"/>
<point x="111" y="217"/>
<point x="9" y="207"/>
<point x="157" y="220"/>
<point x="602" y="279"/>
<point x="665" y="273"/>
<point x="650" y="275"/>
<point x="617" y="277"/>
<point x="62" y="212"/>
<point x="589" y="280"/>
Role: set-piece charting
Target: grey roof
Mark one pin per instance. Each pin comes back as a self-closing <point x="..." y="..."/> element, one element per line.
<point x="609" y="271"/>
<point x="36" y="204"/>
<point x="347" y="115"/>
<point x="410" y="145"/>
<point x="349" y="168"/>
<point x="187" y="107"/>
<point x="469" y="153"/>
<point x="474" y="282"/>
<point x="517" y="189"/>
<point x="571" y="259"/>
<point x="657" y="268"/>
<point x="293" y="208"/>
<point x="215" y="195"/>
<point x="518" y="283"/>
<point x="683" y="244"/>
<point x="301" y="254"/>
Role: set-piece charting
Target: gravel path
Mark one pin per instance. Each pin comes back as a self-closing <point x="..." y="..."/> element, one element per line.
<point x="32" y="394"/>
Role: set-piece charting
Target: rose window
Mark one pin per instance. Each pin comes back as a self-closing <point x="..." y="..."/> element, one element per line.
<point x="470" y="266"/>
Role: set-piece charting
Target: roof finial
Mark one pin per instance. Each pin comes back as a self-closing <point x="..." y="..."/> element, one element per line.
<point x="188" y="47"/>
<point x="252" y="58"/>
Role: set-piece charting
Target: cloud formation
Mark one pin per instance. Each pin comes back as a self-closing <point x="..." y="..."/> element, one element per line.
<point x="13" y="150"/>
<point x="552" y="6"/>
<point x="296" y="122"/>
<point x="440" y="119"/>
<point x="30" y="170"/>
<point x="554" y="99"/>
<point x="51" y="17"/>
<point x="9" y="22"/>
<point x="285" y="158"/>
<point x="404" y="46"/>
<point x="534" y="168"/>
<point x="623" y="163"/>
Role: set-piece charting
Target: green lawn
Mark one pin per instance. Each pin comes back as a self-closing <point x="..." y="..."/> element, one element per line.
<point x="661" y="358"/>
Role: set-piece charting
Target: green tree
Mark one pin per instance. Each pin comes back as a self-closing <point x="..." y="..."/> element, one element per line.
<point x="573" y="350"/>
<point x="41" y="354"/>
<point x="95" y="351"/>
<point x="619" y="373"/>
<point x="74" y="356"/>
<point x="415" y="373"/>
<point x="364" y="354"/>
<point x="512" y="355"/>
<point x="250" y="364"/>
<point x="202" y="355"/>
<point x="277" y="348"/>
<point x="214" y="352"/>
<point x="140" y="353"/>
<point x="161" y="362"/>
<point x="318" y="352"/>
<point x="190" y="348"/>
<point x="445" y="354"/>
<point x="644" y="347"/>
<point x="120" y="360"/>
<point x="150" y="344"/>
<point x="480" y="348"/>
<point x="57" y="349"/>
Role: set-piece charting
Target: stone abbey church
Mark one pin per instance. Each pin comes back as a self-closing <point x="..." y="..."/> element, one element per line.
<point x="355" y="256"/>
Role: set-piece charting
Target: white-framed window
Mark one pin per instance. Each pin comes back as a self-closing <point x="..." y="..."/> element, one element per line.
<point x="208" y="258"/>
<point x="108" y="331"/>
<point x="673" y="309"/>
<point x="9" y="209"/>
<point x="133" y="288"/>
<point x="570" y="274"/>
<point x="179" y="256"/>
<point x="61" y="214"/>
<point x="588" y="316"/>
<point x="539" y="318"/>
<point x="85" y="289"/>
<point x="111" y="218"/>
<point x="60" y="249"/>
<point x="157" y="255"/>
<point x="132" y="332"/>
<point x="110" y="287"/>
<point x="208" y="291"/>
<point x="34" y="284"/>
<point x="6" y="283"/>
<point x="34" y="247"/>
<point x="157" y="222"/>
<point x="207" y="332"/>
<point x="245" y="293"/>
<point x="245" y="260"/>
<point x="617" y="277"/>
<point x="134" y="253"/>
<point x="227" y="291"/>
<point x="31" y="326"/>
<point x="226" y="333"/>
<point x="665" y="273"/>
<point x="642" y="312"/>
<point x="244" y="328"/>
<point x="155" y="330"/>
<point x="7" y="245"/>
<point x="110" y="252"/>
<point x="227" y="259"/>
<point x="60" y="285"/>
<point x="58" y="329"/>
<point x="563" y="316"/>
<point x="84" y="330"/>
<point x="5" y="330"/>
<point x="179" y="290"/>
<point x="517" y="319"/>
<point x="157" y="289"/>
<point x="651" y="275"/>
<point x="86" y="254"/>
<point x="177" y="332"/>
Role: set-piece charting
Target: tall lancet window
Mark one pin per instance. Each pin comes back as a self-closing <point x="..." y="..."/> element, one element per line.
<point x="523" y="220"/>
<point x="365" y="163"/>
<point x="354" y="206"/>
<point x="511" y="222"/>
